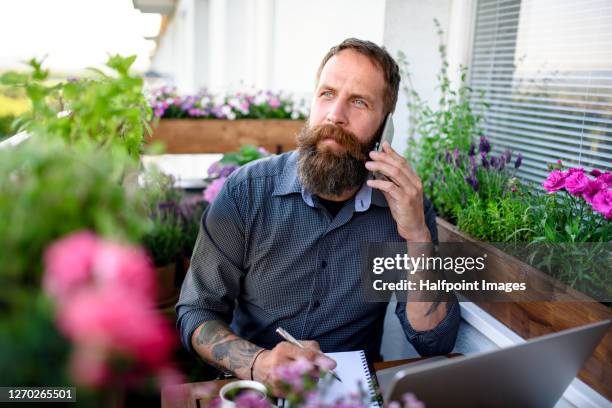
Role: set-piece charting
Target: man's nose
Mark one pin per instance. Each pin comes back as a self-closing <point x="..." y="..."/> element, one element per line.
<point x="337" y="114"/>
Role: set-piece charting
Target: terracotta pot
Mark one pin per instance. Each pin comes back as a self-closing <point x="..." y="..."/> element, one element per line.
<point x="166" y="288"/>
<point x="533" y="319"/>
<point x="222" y="136"/>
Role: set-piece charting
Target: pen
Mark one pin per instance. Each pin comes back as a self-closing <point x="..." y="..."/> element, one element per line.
<point x="285" y="335"/>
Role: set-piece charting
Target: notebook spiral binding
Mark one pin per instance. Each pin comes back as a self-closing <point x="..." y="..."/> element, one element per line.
<point x="370" y="383"/>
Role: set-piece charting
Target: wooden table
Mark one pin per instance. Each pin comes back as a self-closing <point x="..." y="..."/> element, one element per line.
<point x="186" y="395"/>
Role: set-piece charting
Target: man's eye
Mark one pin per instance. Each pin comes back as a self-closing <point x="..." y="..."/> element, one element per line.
<point x="327" y="94"/>
<point x="360" y="102"/>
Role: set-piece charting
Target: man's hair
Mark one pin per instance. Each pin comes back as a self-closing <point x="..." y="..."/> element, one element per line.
<point x="380" y="57"/>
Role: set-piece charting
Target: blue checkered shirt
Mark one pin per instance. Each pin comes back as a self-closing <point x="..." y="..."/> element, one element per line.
<point x="269" y="255"/>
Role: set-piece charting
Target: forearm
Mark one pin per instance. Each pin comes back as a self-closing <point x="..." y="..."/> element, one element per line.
<point x="220" y="347"/>
<point x="423" y="315"/>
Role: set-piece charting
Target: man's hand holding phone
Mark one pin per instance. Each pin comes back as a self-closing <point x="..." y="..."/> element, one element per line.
<point x="401" y="187"/>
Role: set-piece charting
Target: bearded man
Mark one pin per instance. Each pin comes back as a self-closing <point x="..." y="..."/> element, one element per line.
<point x="281" y="244"/>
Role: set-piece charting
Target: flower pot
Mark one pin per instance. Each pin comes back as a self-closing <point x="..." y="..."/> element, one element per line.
<point x="167" y="292"/>
<point x="532" y="319"/>
<point x="222" y="136"/>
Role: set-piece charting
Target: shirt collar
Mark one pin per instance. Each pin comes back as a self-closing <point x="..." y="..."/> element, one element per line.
<point x="289" y="183"/>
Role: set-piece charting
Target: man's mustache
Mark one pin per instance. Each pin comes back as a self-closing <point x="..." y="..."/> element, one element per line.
<point x="344" y="138"/>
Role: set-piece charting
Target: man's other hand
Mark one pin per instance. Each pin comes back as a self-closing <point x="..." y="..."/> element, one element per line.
<point x="264" y="368"/>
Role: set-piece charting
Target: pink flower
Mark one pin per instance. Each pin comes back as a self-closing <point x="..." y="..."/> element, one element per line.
<point x="118" y="321"/>
<point x="89" y="366"/>
<point x="126" y="266"/>
<point x="576" y="182"/>
<point x="82" y="260"/>
<point x="595" y="173"/>
<point x="602" y="203"/>
<point x="274" y="103"/>
<point x="593" y="187"/>
<point x="555" y="181"/>
<point x="212" y="191"/>
<point x="606" y="179"/>
<point x="68" y="263"/>
<point x="252" y="399"/>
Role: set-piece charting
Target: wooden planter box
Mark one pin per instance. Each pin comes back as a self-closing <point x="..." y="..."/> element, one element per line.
<point x="532" y="319"/>
<point x="222" y="136"/>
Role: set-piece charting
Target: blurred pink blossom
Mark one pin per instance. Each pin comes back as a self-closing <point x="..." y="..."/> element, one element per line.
<point x="81" y="260"/>
<point x="593" y="187"/>
<point x="555" y="181"/>
<point x="606" y="179"/>
<point x="576" y="182"/>
<point x="602" y="203"/>
<point x="212" y="191"/>
<point x="89" y="366"/>
<point x="68" y="263"/>
<point x="127" y="266"/>
<point x="120" y="321"/>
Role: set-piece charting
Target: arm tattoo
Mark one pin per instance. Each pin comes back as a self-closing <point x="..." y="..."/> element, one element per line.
<point x="223" y="348"/>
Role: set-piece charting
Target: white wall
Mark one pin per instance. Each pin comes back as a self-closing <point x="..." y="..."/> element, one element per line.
<point x="305" y="30"/>
<point x="269" y="44"/>
<point x="409" y="27"/>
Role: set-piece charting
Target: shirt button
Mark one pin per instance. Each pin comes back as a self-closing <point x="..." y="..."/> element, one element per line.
<point x="324" y="264"/>
<point x="316" y="304"/>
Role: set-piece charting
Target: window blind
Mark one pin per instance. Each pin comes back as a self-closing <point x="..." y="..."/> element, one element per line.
<point x="544" y="67"/>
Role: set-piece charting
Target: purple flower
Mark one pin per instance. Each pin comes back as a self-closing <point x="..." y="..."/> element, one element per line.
<point x="214" y="169"/>
<point x="472" y="150"/>
<point x="595" y="173"/>
<point x="576" y="182"/>
<point x="485" y="146"/>
<point x="212" y="191"/>
<point x="483" y="159"/>
<point x="508" y="155"/>
<point x="494" y="162"/>
<point x="473" y="181"/>
<point x="473" y="164"/>
<point x="555" y="181"/>
<point x="252" y="399"/>
<point x="411" y="401"/>
<point x="602" y="203"/>
<point x="519" y="160"/>
<point x="263" y="151"/>
<point x="227" y="169"/>
<point x="448" y="157"/>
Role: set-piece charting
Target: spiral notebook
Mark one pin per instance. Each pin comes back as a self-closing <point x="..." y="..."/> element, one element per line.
<point x="352" y="368"/>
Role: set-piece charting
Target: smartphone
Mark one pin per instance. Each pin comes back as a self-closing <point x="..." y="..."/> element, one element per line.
<point x="386" y="135"/>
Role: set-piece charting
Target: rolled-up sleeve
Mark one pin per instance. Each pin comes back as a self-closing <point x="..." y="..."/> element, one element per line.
<point x="441" y="339"/>
<point x="213" y="280"/>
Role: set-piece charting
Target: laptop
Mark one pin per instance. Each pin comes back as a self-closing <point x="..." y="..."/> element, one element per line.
<point x="531" y="374"/>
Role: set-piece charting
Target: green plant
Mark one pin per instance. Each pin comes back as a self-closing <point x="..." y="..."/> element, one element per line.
<point x="175" y="219"/>
<point x="453" y="124"/>
<point x="50" y="189"/>
<point x="108" y="110"/>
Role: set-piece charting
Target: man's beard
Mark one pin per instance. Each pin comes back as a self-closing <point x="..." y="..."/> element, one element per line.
<point x="330" y="172"/>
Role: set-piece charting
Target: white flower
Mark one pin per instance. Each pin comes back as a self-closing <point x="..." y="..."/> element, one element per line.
<point x="219" y="100"/>
<point x="260" y="99"/>
<point x="231" y="116"/>
<point x="226" y="110"/>
<point x="235" y="102"/>
<point x="295" y="115"/>
<point x="205" y="101"/>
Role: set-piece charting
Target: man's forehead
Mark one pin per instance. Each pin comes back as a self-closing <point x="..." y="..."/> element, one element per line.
<point x="356" y="70"/>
